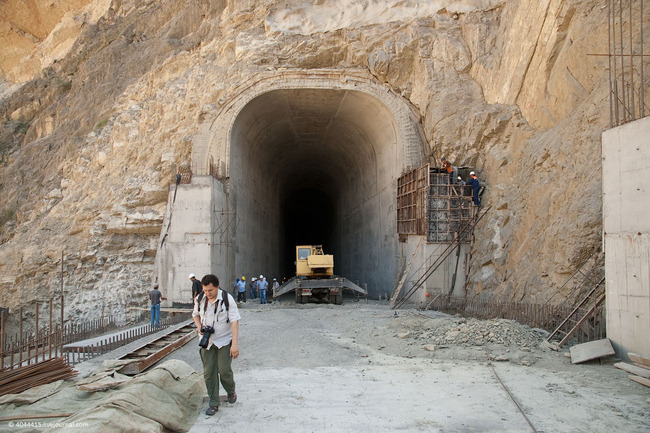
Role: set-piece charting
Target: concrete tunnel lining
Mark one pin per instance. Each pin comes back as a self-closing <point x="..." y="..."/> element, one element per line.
<point x="316" y="166"/>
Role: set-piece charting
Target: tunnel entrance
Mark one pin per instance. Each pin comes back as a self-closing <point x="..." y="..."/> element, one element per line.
<point x="309" y="158"/>
<point x="287" y="158"/>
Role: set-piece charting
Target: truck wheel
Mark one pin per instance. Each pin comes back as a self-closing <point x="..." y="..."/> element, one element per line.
<point x="298" y="297"/>
<point x="336" y="299"/>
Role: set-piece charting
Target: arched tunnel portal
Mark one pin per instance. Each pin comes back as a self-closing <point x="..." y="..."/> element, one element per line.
<point x="293" y="157"/>
<point x="318" y="166"/>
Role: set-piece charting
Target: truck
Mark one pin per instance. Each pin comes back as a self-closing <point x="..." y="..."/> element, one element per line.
<point x="315" y="279"/>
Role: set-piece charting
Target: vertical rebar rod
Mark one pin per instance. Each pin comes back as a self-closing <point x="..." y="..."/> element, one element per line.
<point x="49" y="331"/>
<point x="30" y="340"/>
<point x="20" y="334"/>
<point x="615" y="61"/>
<point x="622" y="55"/>
<point x="642" y="96"/>
<point x="2" y="340"/>
<point x="36" y="333"/>
<point x="609" y="57"/>
<point x="62" y="310"/>
<point x="631" y="100"/>
<point x="61" y="273"/>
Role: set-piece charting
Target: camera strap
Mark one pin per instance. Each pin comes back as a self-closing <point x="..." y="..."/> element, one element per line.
<point x="224" y="303"/>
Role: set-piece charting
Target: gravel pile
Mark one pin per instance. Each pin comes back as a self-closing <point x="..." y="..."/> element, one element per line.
<point x="473" y="332"/>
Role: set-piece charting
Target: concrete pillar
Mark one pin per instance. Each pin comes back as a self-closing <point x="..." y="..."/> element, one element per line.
<point x="626" y="226"/>
<point x="194" y="237"/>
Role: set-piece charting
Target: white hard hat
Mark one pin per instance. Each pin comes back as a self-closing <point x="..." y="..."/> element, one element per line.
<point x="192" y="276"/>
<point x="471" y="173"/>
<point x="261" y="276"/>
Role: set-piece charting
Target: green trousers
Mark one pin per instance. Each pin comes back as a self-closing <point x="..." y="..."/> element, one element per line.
<point x="217" y="364"/>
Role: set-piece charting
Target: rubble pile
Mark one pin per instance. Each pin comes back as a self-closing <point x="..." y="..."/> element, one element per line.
<point x="475" y="332"/>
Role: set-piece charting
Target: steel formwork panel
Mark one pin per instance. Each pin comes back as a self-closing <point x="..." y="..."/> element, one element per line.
<point x="427" y="204"/>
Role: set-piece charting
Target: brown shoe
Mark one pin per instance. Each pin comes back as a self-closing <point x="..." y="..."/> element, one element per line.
<point x="232" y="397"/>
<point x="212" y="410"/>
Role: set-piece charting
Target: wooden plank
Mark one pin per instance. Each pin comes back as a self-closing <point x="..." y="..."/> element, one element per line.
<point x="641" y="380"/>
<point x="591" y="350"/>
<point x="639" y="371"/>
<point x="638" y="359"/>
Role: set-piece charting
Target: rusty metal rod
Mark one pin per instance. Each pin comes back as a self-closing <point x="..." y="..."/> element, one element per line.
<point x="623" y="91"/>
<point x="642" y="89"/>
<point x="609" y="69"/>
<point x="3" y="338"/>
<point x="20" y="333"/>
<point x="50" y="330"/>
<point x="631" y="67"/>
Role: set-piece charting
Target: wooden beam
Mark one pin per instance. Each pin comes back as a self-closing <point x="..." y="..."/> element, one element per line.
<point x="641" y="380"/>
<point x="639" y="371"/>
<point x="638" y="359"/>
<point x="591" y="350"/>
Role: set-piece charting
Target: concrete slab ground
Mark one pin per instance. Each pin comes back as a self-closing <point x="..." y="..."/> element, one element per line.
<point x="359" y="368"/>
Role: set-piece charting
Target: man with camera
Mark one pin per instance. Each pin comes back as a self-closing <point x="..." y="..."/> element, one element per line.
<point x="217" y="321"/>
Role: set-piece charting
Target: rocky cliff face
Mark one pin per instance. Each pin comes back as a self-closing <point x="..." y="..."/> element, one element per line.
<point x="101" y="106"/>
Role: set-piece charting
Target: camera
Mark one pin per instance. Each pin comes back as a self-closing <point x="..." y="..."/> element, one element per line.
<point x="206" y="331"/>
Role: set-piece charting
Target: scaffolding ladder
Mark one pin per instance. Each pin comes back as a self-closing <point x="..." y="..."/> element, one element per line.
<point x="580" y="314"/>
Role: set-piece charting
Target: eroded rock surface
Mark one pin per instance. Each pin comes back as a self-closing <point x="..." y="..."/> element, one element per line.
<point x="100" y="103"/>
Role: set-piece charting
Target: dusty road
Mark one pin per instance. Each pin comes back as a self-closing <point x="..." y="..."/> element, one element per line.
<point x="358" y="368"/>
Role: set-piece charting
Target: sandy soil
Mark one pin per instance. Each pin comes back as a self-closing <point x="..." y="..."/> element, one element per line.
<point x="359" y="368"/>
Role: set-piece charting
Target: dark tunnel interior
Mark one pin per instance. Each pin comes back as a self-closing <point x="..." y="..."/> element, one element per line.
<point x="315" y="167"/>
<point x="308" y="217"/>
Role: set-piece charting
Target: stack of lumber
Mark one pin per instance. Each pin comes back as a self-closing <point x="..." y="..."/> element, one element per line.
<point x="640" y="368"/>
<point x="23" y="378"/>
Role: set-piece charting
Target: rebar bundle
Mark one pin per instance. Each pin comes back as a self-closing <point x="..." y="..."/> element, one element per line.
<point x="23" y="378"/>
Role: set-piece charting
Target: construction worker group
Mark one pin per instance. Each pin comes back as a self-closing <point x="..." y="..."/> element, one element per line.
<point x="257" y="288"/>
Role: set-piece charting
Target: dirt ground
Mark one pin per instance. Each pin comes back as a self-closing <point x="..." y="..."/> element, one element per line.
<point x="359" y="368"/>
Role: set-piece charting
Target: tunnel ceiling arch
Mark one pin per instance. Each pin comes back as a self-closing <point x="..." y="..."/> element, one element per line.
<point x="313" y="136"/>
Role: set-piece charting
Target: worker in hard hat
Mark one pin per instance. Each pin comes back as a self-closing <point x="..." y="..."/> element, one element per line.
<point x="262" y="285"/>
<point x="196" y="286"/>
<point x="476" y="186"/>
<point x="253" y="288"/>
<point x="241" y="289"/>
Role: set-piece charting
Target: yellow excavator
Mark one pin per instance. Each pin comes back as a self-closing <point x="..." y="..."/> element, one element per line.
<point x="315" y="279"/>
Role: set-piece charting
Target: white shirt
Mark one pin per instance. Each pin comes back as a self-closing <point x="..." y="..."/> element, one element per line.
<point x="222" y="329"/>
